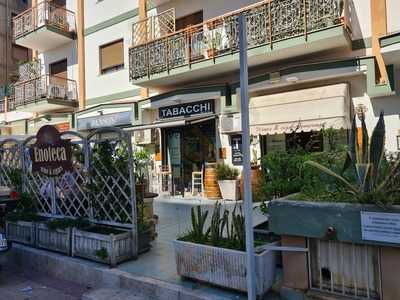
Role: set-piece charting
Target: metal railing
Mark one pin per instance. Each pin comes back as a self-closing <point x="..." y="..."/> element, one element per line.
<point x="44" y="87"/>
<point x="267" y="23"/>
<point x="44" y="13"/>
<point x="346" y="269"/>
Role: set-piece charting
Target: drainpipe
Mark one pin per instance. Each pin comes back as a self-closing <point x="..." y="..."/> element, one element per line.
<point x="144" y="92"/>
<point x="379" y="29"/>
<point x="34" y="4"/>
<point x="81" y="53"/>
<point x="7" y="34"/>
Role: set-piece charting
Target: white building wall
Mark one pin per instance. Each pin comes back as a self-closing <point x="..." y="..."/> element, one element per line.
<point x="360" y="19"/>
<point x="393" y="14"/>
<point x="211" y="8"/>
<point x="99" y="11"/>
<point x="97" y="84"/>
<point x="389" y="105"/>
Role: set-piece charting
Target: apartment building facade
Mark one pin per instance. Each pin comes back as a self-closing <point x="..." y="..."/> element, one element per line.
<point x="45" y="88"/>
<point x="10" y="53"/>
<point x="168" y="71"/>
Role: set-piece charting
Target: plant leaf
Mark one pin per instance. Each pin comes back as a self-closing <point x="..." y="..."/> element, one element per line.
<point x="333" y="174"/>
<point x="365" y="141"/>
<point x="364" y="174"/>
<point x="377" y="147"/>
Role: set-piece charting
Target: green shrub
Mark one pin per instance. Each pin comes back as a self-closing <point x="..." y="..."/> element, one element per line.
<point x="226" y="172"/>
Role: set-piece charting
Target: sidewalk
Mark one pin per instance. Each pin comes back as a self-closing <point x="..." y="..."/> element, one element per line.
<point x="16" y="285"/>
<point x="174" y="220"/>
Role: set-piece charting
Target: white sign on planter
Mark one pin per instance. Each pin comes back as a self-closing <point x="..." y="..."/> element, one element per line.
<point x="380" y="227"/>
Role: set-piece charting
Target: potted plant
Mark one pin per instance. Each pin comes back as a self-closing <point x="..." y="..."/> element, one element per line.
<point x="216" y="254"/>
<point x="109" y="245"/>
<point x="346" y="208"/>
<point x="227" y="181"/>
<point x="212" y="40"/>
<point x="56" y="234"/>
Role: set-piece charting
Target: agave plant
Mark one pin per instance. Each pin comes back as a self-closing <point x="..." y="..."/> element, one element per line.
<point x="366" y="161"/>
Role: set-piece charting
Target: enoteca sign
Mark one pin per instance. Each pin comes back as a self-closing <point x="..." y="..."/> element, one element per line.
<point x="51" y="155"/>
<point x="187" y="109"/>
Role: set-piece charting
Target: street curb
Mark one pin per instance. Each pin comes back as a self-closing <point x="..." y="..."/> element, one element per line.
<point x="94" y="275"/>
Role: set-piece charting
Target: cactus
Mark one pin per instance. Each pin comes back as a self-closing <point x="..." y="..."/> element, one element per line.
<point x="366" y="162"/>
<point x="198" y="224"/>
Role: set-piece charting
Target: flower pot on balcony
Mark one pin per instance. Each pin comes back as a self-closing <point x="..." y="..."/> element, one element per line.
<point x="229" y="189"/>
<point x="213" y="52"/>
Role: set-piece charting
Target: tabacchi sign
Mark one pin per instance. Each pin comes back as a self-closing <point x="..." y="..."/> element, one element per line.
<point x="51" y="155"/>
<point x="187" y="109"/>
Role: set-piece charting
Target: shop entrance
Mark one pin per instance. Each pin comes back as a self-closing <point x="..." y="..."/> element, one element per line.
<point x="186" y="150"/>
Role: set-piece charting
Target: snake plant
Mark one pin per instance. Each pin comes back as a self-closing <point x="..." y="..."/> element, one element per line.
<point x="366" y="160"/>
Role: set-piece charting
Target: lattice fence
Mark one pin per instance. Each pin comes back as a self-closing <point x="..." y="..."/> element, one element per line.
<point x="101" y="187"/>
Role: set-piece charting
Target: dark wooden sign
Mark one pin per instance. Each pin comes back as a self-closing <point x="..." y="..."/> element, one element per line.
<point x="51" y="155"/>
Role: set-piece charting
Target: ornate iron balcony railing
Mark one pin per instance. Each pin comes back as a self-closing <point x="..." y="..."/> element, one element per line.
<point x="44" y="13"/>
<point x="267" y="22"/>
<point x="44" y="87"/>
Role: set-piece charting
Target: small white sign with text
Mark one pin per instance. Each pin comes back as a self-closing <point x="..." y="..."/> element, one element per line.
<point x="380" y="227"/>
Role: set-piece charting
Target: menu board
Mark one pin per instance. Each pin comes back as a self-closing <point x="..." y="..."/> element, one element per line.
<point x="237" y="151"/>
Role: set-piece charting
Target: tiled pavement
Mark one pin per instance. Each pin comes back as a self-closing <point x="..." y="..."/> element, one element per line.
<point x="174" y="220"/>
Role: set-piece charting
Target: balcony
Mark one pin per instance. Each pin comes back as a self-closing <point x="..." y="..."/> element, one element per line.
<point x="277" y="30"/>
<point x="44" y="94"/>
<point x="44" y="27"/>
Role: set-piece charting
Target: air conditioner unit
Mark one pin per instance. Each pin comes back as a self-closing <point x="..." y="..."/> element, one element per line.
<point x="143" y="137"/>
<point x="231" y="123"/>
<point x="56" y="91"/>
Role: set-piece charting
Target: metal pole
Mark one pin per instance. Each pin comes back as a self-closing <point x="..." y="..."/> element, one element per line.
<point x="248" y="201"/>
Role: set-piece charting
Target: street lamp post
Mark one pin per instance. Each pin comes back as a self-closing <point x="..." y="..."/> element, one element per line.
<point x="248" y="201"/>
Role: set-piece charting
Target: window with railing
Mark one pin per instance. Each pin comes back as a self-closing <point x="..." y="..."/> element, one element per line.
<point x="267" y="23"/>
<point x="44" y="13"/>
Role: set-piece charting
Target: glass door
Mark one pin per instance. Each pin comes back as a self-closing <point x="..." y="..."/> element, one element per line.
<point x="174" y="141"/>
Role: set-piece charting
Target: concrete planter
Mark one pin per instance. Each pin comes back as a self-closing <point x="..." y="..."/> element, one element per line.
<point x="58" y="240"/>
<point x="230" y="189"/>
<point x="223" y="267"/>
<point x="21" y="232"/>
<point x="313" y="219"/>
<point x="105" y="248"/>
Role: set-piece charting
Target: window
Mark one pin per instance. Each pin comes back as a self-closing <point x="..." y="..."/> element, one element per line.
<point x="398" y="142"/>
<point x="112" y="57"/>
<point x="19" y="53"/>
<point x="136" y="110"/>
<point x="189" y="20"/>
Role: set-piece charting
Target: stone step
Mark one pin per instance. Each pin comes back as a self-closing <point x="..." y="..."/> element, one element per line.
<point x="113" y="294"/>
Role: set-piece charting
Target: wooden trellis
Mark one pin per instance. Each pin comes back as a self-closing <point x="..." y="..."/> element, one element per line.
<point x="101" y="188"/>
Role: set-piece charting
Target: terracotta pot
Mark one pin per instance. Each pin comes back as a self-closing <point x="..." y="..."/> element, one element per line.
<point x="255" y="179"/>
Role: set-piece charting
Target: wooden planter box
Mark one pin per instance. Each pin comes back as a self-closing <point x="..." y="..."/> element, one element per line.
<point x="115" y="248"/>
<point x="56" y="240"/>
<point x="21" y="232"/>
<point x="223" y="267"/>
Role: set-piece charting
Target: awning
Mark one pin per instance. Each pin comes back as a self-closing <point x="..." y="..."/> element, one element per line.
<point x="303" y="110"/>
<point x="172" y="123"/>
